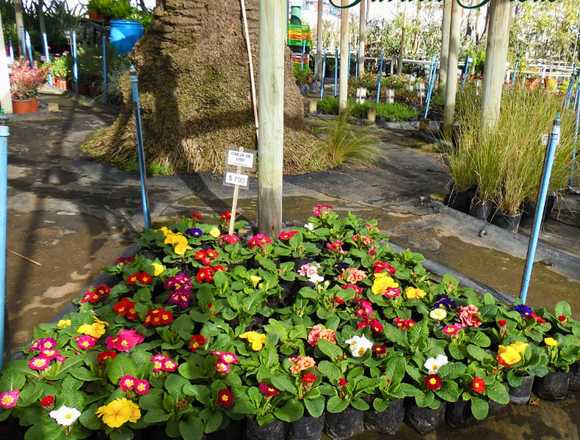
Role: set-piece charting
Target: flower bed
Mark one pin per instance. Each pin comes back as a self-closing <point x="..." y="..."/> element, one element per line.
<point x="201" y="329"/>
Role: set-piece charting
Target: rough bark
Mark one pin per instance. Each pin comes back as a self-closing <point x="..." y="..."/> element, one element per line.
<point x="195" y="91"/>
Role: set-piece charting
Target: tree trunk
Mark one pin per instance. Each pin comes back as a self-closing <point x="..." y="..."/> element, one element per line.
<point x="445" y="32"/>
<point x="318" y="65"/>
<point x="40" y="12"/>
<point x="344" y="54"/>
<point x="362" y="38"/>
<point x="20" y="27"/>
<point x="195" y="92"/>
<point x="402" y="42"/>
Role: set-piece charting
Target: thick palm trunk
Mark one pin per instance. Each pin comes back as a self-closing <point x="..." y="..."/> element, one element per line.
<point x="195" y="91"/>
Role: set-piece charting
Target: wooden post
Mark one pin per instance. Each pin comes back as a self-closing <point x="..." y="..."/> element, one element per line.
<point x="318" y="65"/>
<point x="362" y="36"/>
<point x="343" y="87"/>
<point x="445" y="31"/>
<point x="235" y="201"/>
<point x="271" y="115"/>
<point x="5" y="97"/>
<point x="451" y="86"/>
<point x="496" y="60"/>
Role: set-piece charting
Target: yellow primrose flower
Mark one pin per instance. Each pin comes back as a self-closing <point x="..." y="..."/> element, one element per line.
<point x="382" y="283"/>
<point x="215" y="232"/>
<point x="179" y="242"/>
<point x="165" y="231"/>
<point x="551" y="342"/>
<point x="158" y="269"/>
<point x="96" y="329"/>
<point x="414" y="293"/>
<point x="255" y="279"/>
<point x="118" y="412"/>
<point x="63" y="323"/>
<point x="509" y="354"/>
<point x="256" y="339"/>
<point x="519" y="346"/>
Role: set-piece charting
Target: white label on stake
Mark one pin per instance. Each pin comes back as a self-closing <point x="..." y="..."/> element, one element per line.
<point x="236" y="179"/>
<point x="243" y="159"/>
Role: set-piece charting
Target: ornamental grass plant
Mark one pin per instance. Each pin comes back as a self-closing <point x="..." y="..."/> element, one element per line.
<point x="200" y="329"/>
<point x="506" y="163"/>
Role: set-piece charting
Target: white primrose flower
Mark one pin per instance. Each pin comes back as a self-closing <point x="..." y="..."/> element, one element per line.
<point x="438" y="314"/>
<point x="65" y="416"/>
<point x="433" y="364"/>
<point x="310" y="226"/>
<point x="315" y="278"/>
<point x="359" y="345"/>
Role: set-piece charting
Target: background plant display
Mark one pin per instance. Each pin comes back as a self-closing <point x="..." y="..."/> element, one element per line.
<point x="201" y="328"/>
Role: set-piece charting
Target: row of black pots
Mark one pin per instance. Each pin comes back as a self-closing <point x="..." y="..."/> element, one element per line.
<point x="468" y="202"/>
<point x="554" y="386"/>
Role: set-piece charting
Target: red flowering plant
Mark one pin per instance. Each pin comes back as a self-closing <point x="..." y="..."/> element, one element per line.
<point x="200" y="328"/>
<point x="26" y="80"/>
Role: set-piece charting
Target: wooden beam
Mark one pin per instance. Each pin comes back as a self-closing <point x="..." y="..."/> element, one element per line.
<point x="271" y="115"/>
<point x="495" y="62"/>
<point x="5" y="96"/>
<point x="451" y="86"/>
<point x="445" y="32"/>
<point x="343" y="86"/>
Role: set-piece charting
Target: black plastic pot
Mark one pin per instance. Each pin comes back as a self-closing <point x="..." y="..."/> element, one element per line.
<point x="425" y="420"/>
<point x="274" y="431"/>
<point x="480" y="209"/>
<point x="575" y="377"/>
<point x="460" y="200"/>
<point x="521" y="395"/>
<point x="529" y="211"/>
<point x="553" y="386"/>
<point x="344" y="425"/>
<point x="458" y="414"/>
<point x="497" y="409"/>
<point x="388" y="421"/>
<point x="233" y="431"/>
<point x="307" y="428"/>
<point x="508" y="222"/>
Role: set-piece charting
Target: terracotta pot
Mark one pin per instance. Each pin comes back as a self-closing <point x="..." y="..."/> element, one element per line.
<point x="60" y="83"/>
<point x="25" y="105"/>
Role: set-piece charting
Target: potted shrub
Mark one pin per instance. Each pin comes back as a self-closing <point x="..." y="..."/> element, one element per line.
<point x="59" y="69"/>
<point x="24" y="84"/>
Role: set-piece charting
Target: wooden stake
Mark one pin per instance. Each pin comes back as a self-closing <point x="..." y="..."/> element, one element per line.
<point x="271" y="112"/>
<point x="235" y="201"/>
<point x="251" y="65"/>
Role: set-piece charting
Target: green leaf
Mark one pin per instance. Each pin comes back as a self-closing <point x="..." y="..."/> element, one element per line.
<point x="89" y="418"/>
<point x="330" y="370"/>
<point x="563" y="308"/>
<point x="174" y="384"/>
<point x="478" y="353"/>
<point x="200" y="392"/>
<point x="479" y="408"/>
<point x="315" y="407"/>
<point x="183" y="326"/>
<point x="155" y="415"/>
<point x="360" y="404"/>
<point x="120" y="366"/>
<point x="284" y="383"/>
<point x="380" y="405"/>
<point x="449" y="391"/>
<point x="213" y="422"/>
<point x="293" y="410"/>
<point x="121" y="434"/>
<point x="336" y="405"/>
<point x="333" y="351"/>
<point x="498" y="392"/>
<point x="456" y="351"/>
<point x="191" y="428"/>
<point x="481" y="339"/>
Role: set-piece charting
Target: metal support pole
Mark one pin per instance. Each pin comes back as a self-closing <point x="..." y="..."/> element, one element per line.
<point x="140" y="150"/>
<point x="46" y="56"/>
<point x="540" y="205"/>
<point x="348" y="63"/>
<point x="336" y="71"/>
<point x="303" y="53"/>
<point x="570" y="88"/>
<point x="465" y="70"/>
<point x="431" y="87"/>
<point x="75" y="62"/>
<point x="11" y="51"/>
<point x="105" y="68"/>
<point x="380" y="76"/>
<point x="323" y="76"/>
<point x="4" y="132"/>
<point x="29" y="49"/>
<point x="515" y="72"/>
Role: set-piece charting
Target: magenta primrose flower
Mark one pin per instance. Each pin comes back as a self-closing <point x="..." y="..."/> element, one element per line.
<point x="43" y="344"/>
<point x="85" y="342"/>
<point x="9" y="399"/>
<point x="39" y="363"/>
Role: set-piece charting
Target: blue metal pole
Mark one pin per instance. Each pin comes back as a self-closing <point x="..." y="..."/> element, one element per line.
<point x="380" y="76"/>
<point x="11" y="51"/>
<point x="105" y="68"/>
<point x="303" y="53"/>
<point x="323" y="76"/>
<point x="466" y="70"/>
<point x="29" y="48"/>
<point x="75" y="61"/>
<point x="540" y="205"/>
<point x="140" y="149"/>
<point x="336" y="71"/>
<point x="570" y="88"/>
<point x="431" y="87"/>
<point x="576" y="132"/>
<point x="515" y="72"/>
<point x="45" y="46"/>
<point x="4" y="132"/>
<point x="348" y="64"/>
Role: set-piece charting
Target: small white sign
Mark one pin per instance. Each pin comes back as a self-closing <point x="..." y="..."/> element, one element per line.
<point x="236" y="179"/>
<point x="243" y="159"/>
<point x="545" y="139"/>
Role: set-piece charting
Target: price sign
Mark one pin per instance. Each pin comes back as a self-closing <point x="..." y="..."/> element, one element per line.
<point x="236" y="179"/>
<point x="244" y="159"/>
